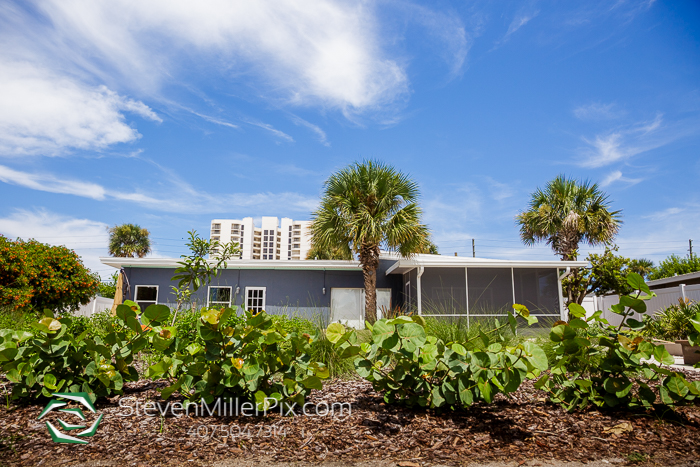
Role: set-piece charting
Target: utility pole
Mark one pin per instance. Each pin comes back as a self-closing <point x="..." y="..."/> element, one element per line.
<point x="473" y="249"/>
<point x="690" y="243"/>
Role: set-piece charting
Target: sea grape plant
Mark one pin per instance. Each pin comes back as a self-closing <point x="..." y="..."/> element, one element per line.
<point x="417" y="370"/>
<point x="609" y="366"/>
<point x="257" y="359"/>
<point x="50" y="359"/>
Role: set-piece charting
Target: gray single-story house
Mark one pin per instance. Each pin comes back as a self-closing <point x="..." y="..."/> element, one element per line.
<point x="431" y="285"/>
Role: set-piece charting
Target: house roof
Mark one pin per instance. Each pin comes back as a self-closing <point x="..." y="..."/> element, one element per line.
<point x="400" y="266"/>
<point x="168" y="263"/>
<point x="403" y="265"/>
<point x="688" y="279"/>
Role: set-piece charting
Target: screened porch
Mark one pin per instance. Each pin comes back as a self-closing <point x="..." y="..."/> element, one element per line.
<point x="475" y="289"/>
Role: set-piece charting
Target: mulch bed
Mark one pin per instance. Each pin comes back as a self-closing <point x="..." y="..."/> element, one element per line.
<point x="518" y="428"/>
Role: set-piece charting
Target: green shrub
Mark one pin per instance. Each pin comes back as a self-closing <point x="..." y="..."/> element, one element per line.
<point x="297" y="323"/>
<point x="675" y="265"/>
<point x="51" y="359"/>
<point x="109" y="288"/>
<point x="673" y="322"/>
<point x="39" y="276"/>
<point x="256" y="359"/>
<point x="611" y="367"/>
<point x="17" y="320"/>
<point x="415" y="369"/>
<point x="97" y="325"/>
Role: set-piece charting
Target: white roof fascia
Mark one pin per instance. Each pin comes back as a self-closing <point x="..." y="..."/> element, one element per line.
<point x="165" y="263"/>
<point x="679" y="278"/>
<point x="461" y="262"/>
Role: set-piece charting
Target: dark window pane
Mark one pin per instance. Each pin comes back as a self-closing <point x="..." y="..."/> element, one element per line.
<point x="220" y="294"/>
<point x="146" y="293"/>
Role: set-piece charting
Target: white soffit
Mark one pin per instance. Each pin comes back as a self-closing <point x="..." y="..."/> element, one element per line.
<point x="438" y="261"/>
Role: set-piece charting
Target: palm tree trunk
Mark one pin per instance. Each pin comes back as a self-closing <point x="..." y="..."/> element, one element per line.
<point x="369" y="258"/>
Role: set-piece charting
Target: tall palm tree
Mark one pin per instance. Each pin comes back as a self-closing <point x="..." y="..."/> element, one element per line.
<point x="129" y="241"/>
<point x="565" y="213"/>
<point x="365" y="206"/>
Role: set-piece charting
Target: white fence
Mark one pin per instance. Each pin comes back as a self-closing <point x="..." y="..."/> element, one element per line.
<point x="96" y="305"/>
<point x="663" y="299"/>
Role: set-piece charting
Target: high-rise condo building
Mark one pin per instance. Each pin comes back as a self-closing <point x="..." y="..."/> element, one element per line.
<point x="273" y="240"/>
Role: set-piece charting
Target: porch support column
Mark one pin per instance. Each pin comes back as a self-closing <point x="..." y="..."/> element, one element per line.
<point x="421" y="270"/>
<point x="466" y="294"/>
<point x="564" y="316"/>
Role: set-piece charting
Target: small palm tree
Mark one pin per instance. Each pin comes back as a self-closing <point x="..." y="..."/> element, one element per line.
<point x="343" y="253"/>
<point x="129" y="241"/>
<point x="364" y="207"/>
<point x="565" y="213"/>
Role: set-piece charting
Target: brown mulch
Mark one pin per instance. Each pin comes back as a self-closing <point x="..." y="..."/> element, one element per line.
<point x="517" y="429"/>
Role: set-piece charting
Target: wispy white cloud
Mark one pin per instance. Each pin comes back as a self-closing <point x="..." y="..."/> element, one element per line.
<point x="597" y="111"/>
<point x="271" y="129"/>
<point x="500" y="191"/>
<point x="624" y="143"/>
<point x="177" y="196"/>
<point x="87" y="237"/>
<point x="43" y="112"/>
<point x="315" y="128"/>
<point x="319" y="51"/>
<point x="447" y="30"/>
<point x="214" y="120"/>
<point x="451" y="213"/>
<point x="517" y="23"/>
<point x="51" y="184"/>
<point x="669" y="213"/>
<point x="616" y="176"/>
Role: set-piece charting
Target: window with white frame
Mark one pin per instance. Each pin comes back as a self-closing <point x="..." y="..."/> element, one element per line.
<point x="219" y="295"/>
<point x="146" y="295"/>
<point x="255" y="299"/>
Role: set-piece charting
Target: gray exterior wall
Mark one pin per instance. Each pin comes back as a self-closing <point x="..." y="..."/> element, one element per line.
<point x="290" y="292"/>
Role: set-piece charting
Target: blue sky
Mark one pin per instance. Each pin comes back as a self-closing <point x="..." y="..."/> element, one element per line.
<point x="171" y="113"/>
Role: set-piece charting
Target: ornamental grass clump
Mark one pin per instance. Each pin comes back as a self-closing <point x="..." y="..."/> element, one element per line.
<point x="673" y="322"/>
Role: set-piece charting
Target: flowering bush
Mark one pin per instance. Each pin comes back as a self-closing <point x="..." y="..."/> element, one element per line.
<point x="36" y="275"/>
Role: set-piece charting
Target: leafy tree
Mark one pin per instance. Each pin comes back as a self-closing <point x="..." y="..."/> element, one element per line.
<point x="564" y="214"/>
<point x="129" y="241"/>
<point x="196" y="270"/>
<point x="108" y="288"/>
<point x="675" y="265"/>
<point x="36" y="275"/>
<point x="364" y="207"/>
<point x="607" y="275"/>
<point x="431" y="248"/>
<point x="342" y="253"/>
